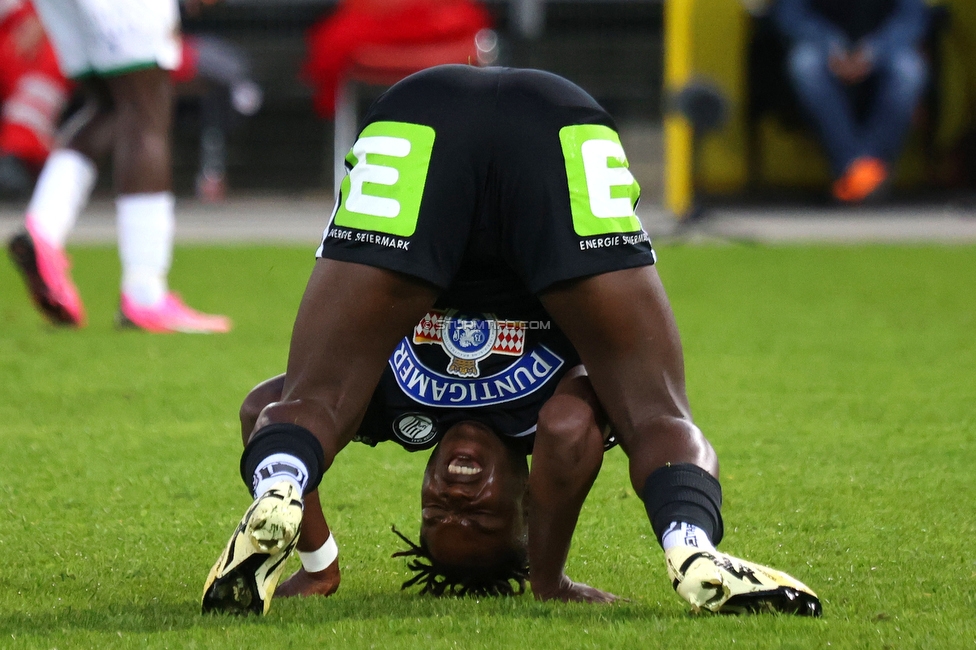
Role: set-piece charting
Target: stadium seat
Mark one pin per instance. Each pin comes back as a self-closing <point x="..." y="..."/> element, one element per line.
<point x="384" y="65"/>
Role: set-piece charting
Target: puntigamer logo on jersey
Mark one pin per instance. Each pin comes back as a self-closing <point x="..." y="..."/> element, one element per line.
<point x="467" y="339"/>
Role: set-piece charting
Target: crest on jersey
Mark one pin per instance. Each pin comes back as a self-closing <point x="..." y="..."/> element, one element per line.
<point x="469" y="338"/>
<point x="414" y="428"/>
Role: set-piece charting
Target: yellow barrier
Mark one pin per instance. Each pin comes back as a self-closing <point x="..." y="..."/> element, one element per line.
<point x="710" y="39"/>
<point x="678" y="136"/>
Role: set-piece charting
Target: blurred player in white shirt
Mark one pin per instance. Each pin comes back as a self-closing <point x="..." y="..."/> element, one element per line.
<point x="122" y="51"/>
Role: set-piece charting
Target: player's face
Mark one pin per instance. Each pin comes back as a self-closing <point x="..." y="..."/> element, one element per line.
<point x="472" y="500"/>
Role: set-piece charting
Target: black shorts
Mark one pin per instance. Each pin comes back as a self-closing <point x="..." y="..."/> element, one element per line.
<point x="522" y="161"/>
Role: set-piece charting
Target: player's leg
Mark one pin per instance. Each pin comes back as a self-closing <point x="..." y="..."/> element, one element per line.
<point x="143" y="106"/>
<point x="359" y="301"/>
<point x="143" y="183"/>
<point x="61" y="193"/>
<point x="145" y="205"/>
<point x="384" y="260"/>
<point x="622" y="326"/>
<point x="65" y="181"/>
<point x="349" y="322"/>
<point x="624" y="330"/>
<point x="316" y="546"/>
<point x="257" y="398"/>
<point x="578" y="242"/>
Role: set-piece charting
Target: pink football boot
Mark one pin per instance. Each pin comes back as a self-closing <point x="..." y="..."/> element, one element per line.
<point x="171" y="315"/>
<point x="46" y="271"/>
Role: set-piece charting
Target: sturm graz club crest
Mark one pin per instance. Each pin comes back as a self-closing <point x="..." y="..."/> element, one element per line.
<point x="414" y="428"/>
<point x="469" y="338"/>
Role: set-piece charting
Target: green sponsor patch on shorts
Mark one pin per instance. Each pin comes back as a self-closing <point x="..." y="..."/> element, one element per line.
<point x="602" y="191"/>
<point x="383" y="191"/>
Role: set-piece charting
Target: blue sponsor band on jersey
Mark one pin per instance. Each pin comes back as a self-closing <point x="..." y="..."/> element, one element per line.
<point x="431" y="388"/>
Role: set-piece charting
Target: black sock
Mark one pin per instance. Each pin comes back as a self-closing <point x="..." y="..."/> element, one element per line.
<point x="284" y="439"/>
<point x="685" y="493"/>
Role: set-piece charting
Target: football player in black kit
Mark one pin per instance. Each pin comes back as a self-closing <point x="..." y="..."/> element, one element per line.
<point x="483" y="415"/>
<point x="477" y="191"/>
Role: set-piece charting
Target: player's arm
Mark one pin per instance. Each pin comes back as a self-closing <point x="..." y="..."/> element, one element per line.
<point x="315" y="545"/>
<point x="566" y="458"/>
<point x="319" y="573"/>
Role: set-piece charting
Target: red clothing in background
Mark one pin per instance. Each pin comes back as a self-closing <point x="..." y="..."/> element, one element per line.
<point x="33" y="92"/>
<point x="333" y="39"/>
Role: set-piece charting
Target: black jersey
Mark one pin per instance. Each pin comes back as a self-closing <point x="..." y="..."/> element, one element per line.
<point x="465" y="365"/>
<point x="492" y="184"/>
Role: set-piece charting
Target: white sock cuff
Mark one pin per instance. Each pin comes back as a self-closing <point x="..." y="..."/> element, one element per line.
<point x="321" y="558"/>
<point x="682" y="534"/>
<point x="276" y="468"/>
<point x="146" y="227"/>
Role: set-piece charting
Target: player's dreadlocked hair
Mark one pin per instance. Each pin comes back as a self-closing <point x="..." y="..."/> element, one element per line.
<point x="441" y="579"/>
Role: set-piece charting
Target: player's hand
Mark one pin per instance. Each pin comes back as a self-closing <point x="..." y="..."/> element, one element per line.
<point x="573" y="592"/>
<point x="303" y="583"/>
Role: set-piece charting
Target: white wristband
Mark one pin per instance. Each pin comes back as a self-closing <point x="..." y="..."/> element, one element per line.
<point x="322" y="558"/>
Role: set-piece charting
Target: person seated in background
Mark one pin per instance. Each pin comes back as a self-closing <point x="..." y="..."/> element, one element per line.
<point x="333" y="39"/>
<point x="33" y="93"/>
<point x="858" y="72"/>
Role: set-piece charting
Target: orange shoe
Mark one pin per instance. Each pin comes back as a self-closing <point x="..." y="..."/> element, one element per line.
<point x="863" y="177"/>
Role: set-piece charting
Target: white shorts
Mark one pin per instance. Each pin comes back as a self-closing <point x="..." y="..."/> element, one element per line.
<point x="109" y="37"/>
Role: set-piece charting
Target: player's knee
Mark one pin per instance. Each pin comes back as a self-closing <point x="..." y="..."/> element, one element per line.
<point x="571" y="425"/>
<point x="260" y="396"/>
<point x="250" y="410"/>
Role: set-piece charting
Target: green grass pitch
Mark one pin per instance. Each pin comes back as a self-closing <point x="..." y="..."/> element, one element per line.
<point x="838" y="384"/>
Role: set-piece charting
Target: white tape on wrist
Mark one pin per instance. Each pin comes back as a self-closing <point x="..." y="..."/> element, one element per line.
<point x="321" y="558"/>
